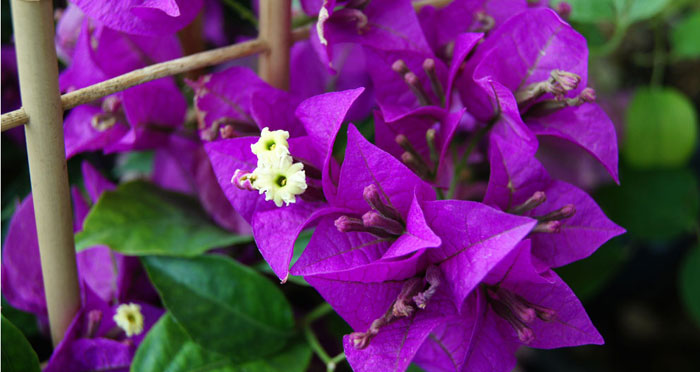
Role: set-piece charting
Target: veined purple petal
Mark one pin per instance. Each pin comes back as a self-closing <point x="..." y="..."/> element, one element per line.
<point x="322" y="117"/>
<point x="586" y="126"/>
<point x="516" y="176"/>
<point x="527" y="47"/>
<point x="366" y="164"/>
<point x="475" y="239"/>
<point x="521" y="274"/>
<point x="398" y="342"/>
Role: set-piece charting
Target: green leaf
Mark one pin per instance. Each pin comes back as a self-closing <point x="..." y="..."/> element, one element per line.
<point x="684" y="37"/>
<point x="590" y="11"/>
<point x="168" y="348"/>
<point x="587" y="277"/>
<point x="17" y="353"/>
<point x="414" y="368"/>
<point x="630" y="11"/>
<point x="224" y="306"/>
<point x="661" y="129"/>
<point x="690" y="283"/>
<point x="140" y="219"/>
<point x="295" y="357"/>
<point x="26" y="322"/>
<point x="656" y="205"/>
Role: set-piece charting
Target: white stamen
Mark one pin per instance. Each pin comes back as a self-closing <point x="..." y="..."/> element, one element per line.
<point x="271" y="147"/>
<point x="281" y="181"/>
<point x="129" y="318"/>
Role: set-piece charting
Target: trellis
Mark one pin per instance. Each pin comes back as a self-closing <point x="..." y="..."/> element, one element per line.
<point x="42" y="115"/>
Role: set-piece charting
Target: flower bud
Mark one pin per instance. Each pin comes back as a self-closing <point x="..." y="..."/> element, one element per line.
<point x="537" y="198"/>
<point x="435" y="84"/>
<point x="547" y="227"/>
<point x="349" y="224"/>
<point x="416" y="87"/>
<point x="374" y="199"/>
<point x="559" y="214"/>
<point x="374" y="220"/>
<point x="243" y="180"/>
<point x="400" y="67"/>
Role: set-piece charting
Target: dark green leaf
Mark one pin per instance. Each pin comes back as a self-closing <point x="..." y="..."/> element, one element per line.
<point x="587" y="277"/>
<point x="684" y="37"/>
<point x="690" y="283"/>
<point x="294" y="358"/>
<point x="658" y="204"/>
<point x="226" y="307"/>
<point x="414" y="368"/>
<point x="661" y="129"/>
<point x="17" y="353"/>
<point x="26" y="322"/>
<point x="168" y="348"/>
<point x="140" y="219"/>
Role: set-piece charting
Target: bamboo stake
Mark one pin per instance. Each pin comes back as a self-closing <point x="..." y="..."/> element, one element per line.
<point x="275" y="28"/>
<point x="38" y="78"/>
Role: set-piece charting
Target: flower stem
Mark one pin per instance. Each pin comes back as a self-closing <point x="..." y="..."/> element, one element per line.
<point x="659" y="58"/>
<point x="330" y="367"/>
<point x="316" y="346"/>
<point x="615" y="41"/>
<point x="317" y="313"/>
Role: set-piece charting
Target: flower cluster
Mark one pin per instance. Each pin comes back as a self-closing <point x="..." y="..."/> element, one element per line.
<point x="276" y="174"/>
<point x="409" y="142"/>
<point x="436" y="242"/>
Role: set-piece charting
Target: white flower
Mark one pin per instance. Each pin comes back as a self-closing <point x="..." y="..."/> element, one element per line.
<point x="271" y="147"/>
<point x="281" y="181"/>
<point x="129" y="318"/>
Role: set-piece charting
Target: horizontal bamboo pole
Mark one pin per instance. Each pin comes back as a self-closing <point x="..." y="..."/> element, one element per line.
<point x="156" y="71"/>
<point x="169" y="68"/>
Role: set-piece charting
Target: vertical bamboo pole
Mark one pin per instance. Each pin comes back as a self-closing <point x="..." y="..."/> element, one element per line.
<point x="38" y="78"/>
<point x="276" y="30"/>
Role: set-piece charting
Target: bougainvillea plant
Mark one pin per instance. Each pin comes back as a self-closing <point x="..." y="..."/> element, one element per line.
<point x="399" y="177"/>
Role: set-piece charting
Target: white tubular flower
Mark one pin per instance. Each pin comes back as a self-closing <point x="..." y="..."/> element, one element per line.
<point x="271" y="147"/>
<point x="129" y="318"/>
<point x="281" y="181"/>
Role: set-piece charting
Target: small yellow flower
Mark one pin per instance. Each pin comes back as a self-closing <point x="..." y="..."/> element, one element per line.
<point x="129" y="318"/>
<point x="281" y="181"/>
<point x="271" y="147"/>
